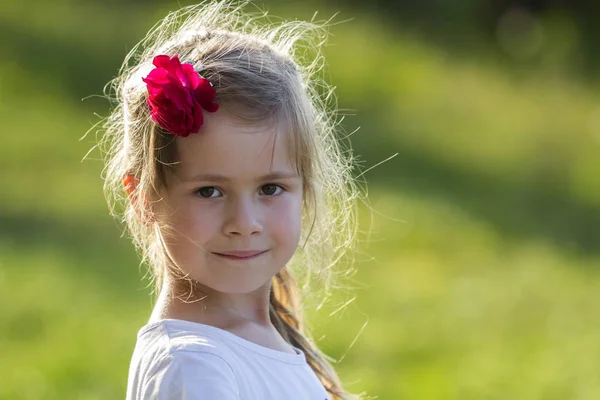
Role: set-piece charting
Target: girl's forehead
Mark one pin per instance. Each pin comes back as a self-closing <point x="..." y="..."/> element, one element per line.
<point x="235" y="148"/>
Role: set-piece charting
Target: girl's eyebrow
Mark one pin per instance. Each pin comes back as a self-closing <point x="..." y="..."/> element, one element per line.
<point x="221" y="178"/>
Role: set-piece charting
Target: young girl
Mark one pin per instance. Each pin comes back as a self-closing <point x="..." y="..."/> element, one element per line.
<point x="234" y="185"/>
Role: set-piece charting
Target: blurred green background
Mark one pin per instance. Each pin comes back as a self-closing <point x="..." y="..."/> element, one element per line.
<point x="481" y="275"/>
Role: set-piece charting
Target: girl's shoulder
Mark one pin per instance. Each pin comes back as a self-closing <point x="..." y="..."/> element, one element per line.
<point x="169" y="363"/>
<point x="172" y="338"/>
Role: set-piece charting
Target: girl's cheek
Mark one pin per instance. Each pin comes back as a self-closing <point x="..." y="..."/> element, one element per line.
<point x="198" y="218"/>
<point x="287" y="215"/>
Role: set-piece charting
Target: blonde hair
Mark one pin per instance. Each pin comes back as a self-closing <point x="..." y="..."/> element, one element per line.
<point x="268" y="70"/>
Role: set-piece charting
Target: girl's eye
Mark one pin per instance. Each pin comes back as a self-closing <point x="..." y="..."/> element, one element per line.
<point x="271" y="189"/>
<point x="208" y="192"/>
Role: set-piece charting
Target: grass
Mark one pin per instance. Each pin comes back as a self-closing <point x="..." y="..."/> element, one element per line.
<point x="480" y="279"/>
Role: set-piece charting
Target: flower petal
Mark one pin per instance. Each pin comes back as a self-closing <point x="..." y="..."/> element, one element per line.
<point x="177" y="95"/>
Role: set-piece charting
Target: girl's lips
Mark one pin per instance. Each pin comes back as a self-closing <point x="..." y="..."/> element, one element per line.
<point x="241" y="255"/>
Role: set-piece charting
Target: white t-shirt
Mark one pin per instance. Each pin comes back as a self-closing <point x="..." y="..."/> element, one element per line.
<point x="182" y="360"/>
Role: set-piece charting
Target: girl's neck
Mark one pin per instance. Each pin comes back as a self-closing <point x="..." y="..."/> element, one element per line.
<point x="250" y="323"/>
<point x="209" y="307"/>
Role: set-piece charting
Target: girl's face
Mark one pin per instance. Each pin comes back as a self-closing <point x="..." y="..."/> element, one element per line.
<point x="233" y="204"/>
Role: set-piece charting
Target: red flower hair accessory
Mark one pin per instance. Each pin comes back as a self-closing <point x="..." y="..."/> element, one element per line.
<point x="177" y="94"/>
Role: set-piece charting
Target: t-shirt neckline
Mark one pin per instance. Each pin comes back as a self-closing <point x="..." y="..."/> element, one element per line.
<point x="298" y="358"/>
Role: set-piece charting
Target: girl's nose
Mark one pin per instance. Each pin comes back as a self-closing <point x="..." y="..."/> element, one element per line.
<point x="242" y="218"/>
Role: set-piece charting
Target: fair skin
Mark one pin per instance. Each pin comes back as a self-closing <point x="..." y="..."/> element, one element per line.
<point x="234" y="205"/>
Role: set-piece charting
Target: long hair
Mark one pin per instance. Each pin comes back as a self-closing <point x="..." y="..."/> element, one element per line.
<point x="271" y="70"/>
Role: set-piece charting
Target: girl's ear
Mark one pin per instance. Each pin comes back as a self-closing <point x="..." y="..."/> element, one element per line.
<point x="130" y="184"/>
